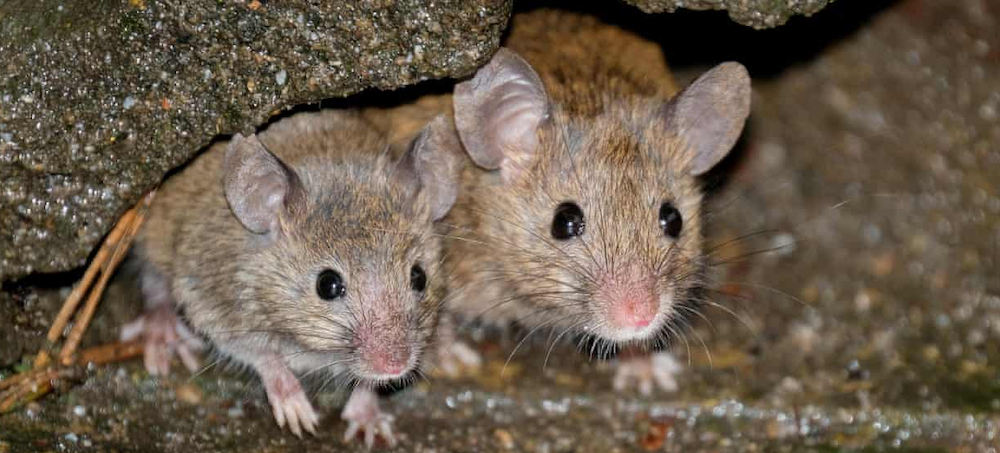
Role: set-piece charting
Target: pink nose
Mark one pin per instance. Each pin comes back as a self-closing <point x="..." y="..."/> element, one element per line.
<point x="633" y="312"/>
<point x="391" y="363"/>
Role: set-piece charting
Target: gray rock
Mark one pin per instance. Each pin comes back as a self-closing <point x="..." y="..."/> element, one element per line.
<point x="754" y="13"/>
<point x="98" y="100"/>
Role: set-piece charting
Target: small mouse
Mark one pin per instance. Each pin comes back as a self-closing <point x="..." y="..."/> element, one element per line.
<point x="305" y="251"/>
<point x="583" y="211"/>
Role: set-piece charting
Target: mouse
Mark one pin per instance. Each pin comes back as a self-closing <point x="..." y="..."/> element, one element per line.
<point x="581" y="211"/>
<point x="306" y="252"/>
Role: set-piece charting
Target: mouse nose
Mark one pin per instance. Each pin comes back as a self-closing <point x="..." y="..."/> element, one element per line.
<point x="391" y="362"/>
<point x="628" y="297"/>
<point x="634" y="312"/>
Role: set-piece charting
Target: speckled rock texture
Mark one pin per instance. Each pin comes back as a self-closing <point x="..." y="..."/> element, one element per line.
<point x="856" y="236"/>
<point x="99" y="99"/>
<point x="758" y="14"/>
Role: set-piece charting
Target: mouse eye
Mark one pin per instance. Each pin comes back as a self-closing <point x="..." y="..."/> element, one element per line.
<point x="418" y="279"/>
<point x="568" y="221"/>
<point x="330" y="285"/>
<point x="670" y="220"/>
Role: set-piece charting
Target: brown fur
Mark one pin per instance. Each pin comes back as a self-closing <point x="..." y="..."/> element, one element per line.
<point x="358" y="219"/>
<point x="603" y="147"/>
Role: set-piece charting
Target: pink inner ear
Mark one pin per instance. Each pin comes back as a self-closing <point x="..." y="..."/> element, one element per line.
<point x="498" y="113"/>
<point x="709" y="114"/>
<point x="257" y="185"/>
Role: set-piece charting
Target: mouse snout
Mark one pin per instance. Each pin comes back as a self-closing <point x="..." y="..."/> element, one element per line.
<point x="390" y="361"/>
<point x="384" y="348"/>
<point x="628" y="299"/>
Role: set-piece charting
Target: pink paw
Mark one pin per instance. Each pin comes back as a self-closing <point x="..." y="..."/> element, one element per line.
<point x="163" y="333"/>
<point x="362" y="413"/>
<point x="288" y="401"/>
<point x="455" y="356"/>
<point x="659" y="368"/>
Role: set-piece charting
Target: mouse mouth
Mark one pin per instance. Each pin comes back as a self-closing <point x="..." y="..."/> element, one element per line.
<point x="385" y="365"/>
<point x="628" y="307"/>
<point x="631" y="333"/>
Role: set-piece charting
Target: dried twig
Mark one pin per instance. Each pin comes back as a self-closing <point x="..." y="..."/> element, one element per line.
<point x="81" y="290"/>
<point x="38" y="381"/>
<point x="120" y="249"/>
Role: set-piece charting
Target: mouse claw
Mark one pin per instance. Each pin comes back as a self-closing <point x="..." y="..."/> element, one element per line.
<point x="163" y="333"/>
<point x="288" y="402"/>
<point x="362" y="413"/>
<point x="659" y="369"/>
<point x="455" y="356"/>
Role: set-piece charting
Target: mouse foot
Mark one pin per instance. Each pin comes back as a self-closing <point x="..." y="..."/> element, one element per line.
<point x="362" y="413"/>
<point x="288" y="402"/>
<point x="163" y="333"/>
<point x="660" y="368"/>
<point x="456" y="356"/>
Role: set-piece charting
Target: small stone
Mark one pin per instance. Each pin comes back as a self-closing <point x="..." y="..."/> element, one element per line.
<point x="79" y="411"/>
<point x="883" y="264"/>
<point x="862" y="301"/>
<point x="128" y="102"/>
<point x="505" y="439"/>
<point x="281" y="77"/>
<point x="189" y="393"/>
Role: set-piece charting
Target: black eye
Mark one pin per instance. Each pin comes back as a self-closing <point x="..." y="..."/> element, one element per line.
<point x="568" y="221"/>
<point x="670" y="220"/>
<point x="418" y="279"/>
<point x="330" y="285"/>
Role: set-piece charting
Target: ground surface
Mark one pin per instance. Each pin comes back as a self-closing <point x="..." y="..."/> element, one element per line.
<point x="858" y="288"/>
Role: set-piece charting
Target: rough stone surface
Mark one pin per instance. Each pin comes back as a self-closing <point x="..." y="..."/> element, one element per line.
<point x="99" y="99"/>
<point x="758" y="14"/>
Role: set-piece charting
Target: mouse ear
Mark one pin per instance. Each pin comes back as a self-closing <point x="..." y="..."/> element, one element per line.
<point x="434" y="165"/>
<point x="709" y="114"/>
<point x="498" y="112"/>
<point x="258" y="185"/>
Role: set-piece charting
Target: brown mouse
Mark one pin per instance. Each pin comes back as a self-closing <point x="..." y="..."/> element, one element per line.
<point x="306" y="251"/>
<point x="583" y="213"/>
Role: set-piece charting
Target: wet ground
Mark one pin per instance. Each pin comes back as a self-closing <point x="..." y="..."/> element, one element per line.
<point x="857" y="296"/>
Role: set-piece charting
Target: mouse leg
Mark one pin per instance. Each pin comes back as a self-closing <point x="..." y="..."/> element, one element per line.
<point x="288" y="401"/>
<point x="363" y="413"/>
<point x="163" y="333"/>
<point x="452" y="355"/>
<point x="659" y="368"/>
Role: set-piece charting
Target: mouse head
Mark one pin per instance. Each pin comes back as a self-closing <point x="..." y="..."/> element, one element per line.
<point x="344" y="265"/>
<point x="596" y="199"/>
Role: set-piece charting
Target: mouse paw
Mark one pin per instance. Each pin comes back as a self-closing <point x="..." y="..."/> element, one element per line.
<point x="362" y="413"/>
<point x="455" y="356"/>
<point x="660" y="368"/>
<point x="288" y="401"/>
<point x="163" y="333"/>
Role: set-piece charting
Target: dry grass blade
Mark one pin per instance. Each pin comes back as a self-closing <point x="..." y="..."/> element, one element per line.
<point x="83" y="318"/>
<point x="38" y="381"/>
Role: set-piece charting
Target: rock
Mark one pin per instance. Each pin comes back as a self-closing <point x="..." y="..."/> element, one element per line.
<point x="758" y="14"/>
<point x="99" y="100"/>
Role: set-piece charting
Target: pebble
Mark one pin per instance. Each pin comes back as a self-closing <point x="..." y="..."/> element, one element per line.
<point x="189" y="393"/>
<point x="504" y="438"/>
